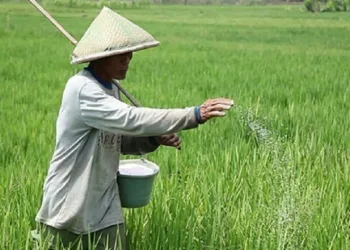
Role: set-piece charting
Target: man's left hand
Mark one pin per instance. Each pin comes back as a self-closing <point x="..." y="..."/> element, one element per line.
<point x="171" y="140"/>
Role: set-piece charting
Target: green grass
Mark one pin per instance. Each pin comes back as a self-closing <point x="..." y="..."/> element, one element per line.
<point x="273" y="174"/>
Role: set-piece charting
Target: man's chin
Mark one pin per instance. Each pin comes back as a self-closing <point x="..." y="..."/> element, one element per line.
<point x="120" y="77"/>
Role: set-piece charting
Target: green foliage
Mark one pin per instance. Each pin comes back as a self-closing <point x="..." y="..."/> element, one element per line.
<point x="336" y="5"/>
<point x="328" y="6"/>
<point x="312" y="5"/>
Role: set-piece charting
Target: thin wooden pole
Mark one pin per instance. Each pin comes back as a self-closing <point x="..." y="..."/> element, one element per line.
<point x="54" y="22"/>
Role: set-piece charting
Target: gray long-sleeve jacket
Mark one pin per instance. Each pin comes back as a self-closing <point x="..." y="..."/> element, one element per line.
<point x="93" y="127"/>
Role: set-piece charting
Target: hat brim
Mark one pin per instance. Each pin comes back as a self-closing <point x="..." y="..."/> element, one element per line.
<point x="105" y="54"/>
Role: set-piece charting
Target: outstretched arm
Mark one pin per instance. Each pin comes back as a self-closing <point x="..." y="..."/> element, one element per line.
<point x="104" y="112"/>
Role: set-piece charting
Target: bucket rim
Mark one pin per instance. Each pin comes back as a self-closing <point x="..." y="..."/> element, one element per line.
<point x="153" y="165"/>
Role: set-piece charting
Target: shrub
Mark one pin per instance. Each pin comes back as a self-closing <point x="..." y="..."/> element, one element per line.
<point x="312" y="5"/>
<point x="330" y="5"/>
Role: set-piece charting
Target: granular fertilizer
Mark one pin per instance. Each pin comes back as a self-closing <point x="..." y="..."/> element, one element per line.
<point x="135" y="170"/>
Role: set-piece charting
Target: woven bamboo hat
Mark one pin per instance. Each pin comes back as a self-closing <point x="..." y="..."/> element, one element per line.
<point x="111" y="34"/>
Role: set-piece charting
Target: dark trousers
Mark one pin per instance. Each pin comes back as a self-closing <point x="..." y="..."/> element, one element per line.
<point x="111" y="238"/>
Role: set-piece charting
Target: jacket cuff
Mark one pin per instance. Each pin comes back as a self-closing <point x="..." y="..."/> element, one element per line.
<point x="197" y="114"/>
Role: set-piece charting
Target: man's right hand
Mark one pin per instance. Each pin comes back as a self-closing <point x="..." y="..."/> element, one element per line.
<point x="215" y="108"/>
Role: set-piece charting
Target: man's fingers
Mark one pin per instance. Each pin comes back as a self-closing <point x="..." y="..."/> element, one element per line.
<point x="175" y="139"/>
<point x="176" y="143"/>
<point x="223" y="101"/>
<point x="216" y="114"/>
<point x="172" y="140"/>
<point x="219" y="107"/>
<point x="167" y="137"/>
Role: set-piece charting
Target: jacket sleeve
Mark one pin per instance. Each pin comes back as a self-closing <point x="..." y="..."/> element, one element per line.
<point x="102" y="111"/>
<point x="138" y="145"/>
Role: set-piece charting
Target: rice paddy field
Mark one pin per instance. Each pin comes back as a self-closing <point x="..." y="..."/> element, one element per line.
<point x="273" y="174"/>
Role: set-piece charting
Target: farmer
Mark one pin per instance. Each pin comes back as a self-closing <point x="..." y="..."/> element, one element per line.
<point x="80" y="193"/>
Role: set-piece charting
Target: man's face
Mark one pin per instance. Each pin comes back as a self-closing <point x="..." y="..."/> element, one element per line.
<point x="117" y="66"/>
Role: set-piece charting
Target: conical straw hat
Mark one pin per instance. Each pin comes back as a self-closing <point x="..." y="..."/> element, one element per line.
<point x="111" y="34"/>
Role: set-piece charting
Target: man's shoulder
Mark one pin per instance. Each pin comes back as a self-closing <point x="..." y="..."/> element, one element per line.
<point x="78" y="80"/>
<point x="83" y="83"/>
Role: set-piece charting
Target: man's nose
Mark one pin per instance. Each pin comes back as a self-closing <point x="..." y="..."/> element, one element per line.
<point x="126" y="60"/>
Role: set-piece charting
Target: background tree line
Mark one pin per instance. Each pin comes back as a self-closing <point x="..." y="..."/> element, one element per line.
<point x="310" y="5"/>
